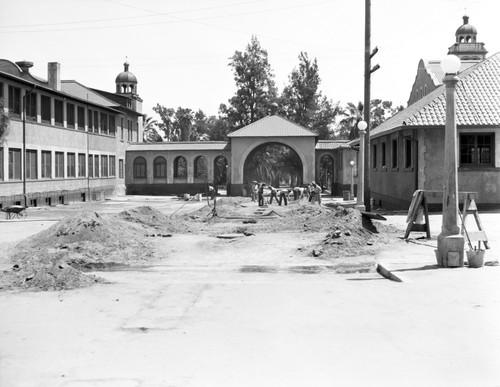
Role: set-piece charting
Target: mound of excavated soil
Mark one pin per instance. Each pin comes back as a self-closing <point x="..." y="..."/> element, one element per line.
<point x="52" y="258"/>
<point x="153" y="218"/>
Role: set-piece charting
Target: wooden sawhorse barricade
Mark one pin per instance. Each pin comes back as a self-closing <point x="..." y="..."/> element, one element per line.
<point x="419" y="208"/>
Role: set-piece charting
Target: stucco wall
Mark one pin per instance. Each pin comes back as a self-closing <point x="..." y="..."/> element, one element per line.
<point x="170" y="185"/>
<point x="242" y="146"/>
<point x="392" y="186"/>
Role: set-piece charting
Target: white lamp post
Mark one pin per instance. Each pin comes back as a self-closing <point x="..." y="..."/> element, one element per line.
<point x="360" y="204"/>
<point x="352" y="179"/>
<point x="450" y="252"/>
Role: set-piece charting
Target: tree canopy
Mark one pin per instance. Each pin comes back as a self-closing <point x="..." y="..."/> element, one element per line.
<point x="256" y="91"/>
<point x="256" y="97"/>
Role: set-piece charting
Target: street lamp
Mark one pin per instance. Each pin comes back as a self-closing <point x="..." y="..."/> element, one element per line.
<point x="360" y="205"/>
<point x="450" y="251"/>
<point x="352" y="180"/>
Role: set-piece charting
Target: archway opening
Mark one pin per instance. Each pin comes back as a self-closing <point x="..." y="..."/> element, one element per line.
<point x="220" y="171"/>
<point x="273" y="163"/>
<point x="325" y="176"/>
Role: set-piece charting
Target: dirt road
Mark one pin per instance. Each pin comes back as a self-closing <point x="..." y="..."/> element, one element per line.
<point x="258" y="311"/>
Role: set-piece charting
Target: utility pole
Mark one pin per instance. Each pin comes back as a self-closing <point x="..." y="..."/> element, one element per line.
<point x="366" y="105"/>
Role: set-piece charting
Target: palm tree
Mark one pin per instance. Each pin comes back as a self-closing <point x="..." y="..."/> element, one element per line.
<point x="150" y="133"/>
<point x="353" y="114"/>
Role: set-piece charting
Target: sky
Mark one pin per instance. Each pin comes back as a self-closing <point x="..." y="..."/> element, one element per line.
<point x="179" y="50"/>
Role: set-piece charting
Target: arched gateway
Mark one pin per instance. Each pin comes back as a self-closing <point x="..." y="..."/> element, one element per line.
<point x="270" y="130"/>
<point x="187" y="167"/>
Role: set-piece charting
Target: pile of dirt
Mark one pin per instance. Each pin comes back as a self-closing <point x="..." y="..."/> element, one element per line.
<point x="54" y="258"/>
<point x="348" y="233"/>
<point x="155" y="220"/>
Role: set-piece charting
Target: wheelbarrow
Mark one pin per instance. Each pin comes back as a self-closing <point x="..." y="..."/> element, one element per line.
<point x="12" y="212"/>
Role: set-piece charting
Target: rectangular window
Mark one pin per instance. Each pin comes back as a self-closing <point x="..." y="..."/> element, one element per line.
<point x="112" y="125"/>
<point x="15" y="101"/>
<point x="96" y="121"/>
<point x="90" y="120"/>
<point x="1" y="90"/>
<point x="104" y="123"/>
<point x="31" y="106"/>
<point x="476" y="149"/>
<point x="81" y="164"/>
<point x="112" y="166"/>
<point x="58" y="111"/>
<point x="45" y="101"/>
<point x="1" y="156"/>
<point x="136" y="133"/>
<point x="129" y="130"/>
<point x="80" y="111"/>
<point x="120" y="168"/>
<point x="374" y="156"/>
<point x="91" y="166"/>
<point x="104" y="166"/>
<point x="31" y="164"/>
<point x="383" y="155"/>
<point x="59" y="164"/>
<point x="71" y="172"/>
<point x="394" y="153"/>
<point x="14" y="164"/>
<point x="96" y="165"/>
<point x="46" y="164"/>
<point x="408" y="153"/>
<point x="70" y="115"/>
<point x="122" y="129"/>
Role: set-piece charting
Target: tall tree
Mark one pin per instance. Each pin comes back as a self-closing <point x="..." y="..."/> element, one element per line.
<point x="303" y="103"/>
<point x="256" y="90"/>
<point x="382" y="110"/>
<point x="167" y="117"/>
<point x="379" y="112"/>
<point x="149" y="133"/>
<point x="300" y="98"/>
<point x="348" y="126"/>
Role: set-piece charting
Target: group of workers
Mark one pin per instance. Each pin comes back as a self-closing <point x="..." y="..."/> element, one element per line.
<point x="311" y="191"/>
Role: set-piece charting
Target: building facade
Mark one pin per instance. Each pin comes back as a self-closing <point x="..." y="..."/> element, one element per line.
<point x="65" y="141"/>
<point x="188" y="167"/>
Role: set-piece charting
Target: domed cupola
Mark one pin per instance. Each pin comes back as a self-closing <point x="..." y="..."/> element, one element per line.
<point x="126" y="82"/>
<point x="466" y="47"/>
<point x="466" y="33"/>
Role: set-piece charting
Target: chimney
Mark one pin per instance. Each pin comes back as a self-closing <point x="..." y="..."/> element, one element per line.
<point x="54" y="75"/>
<point x="25" y="66"/>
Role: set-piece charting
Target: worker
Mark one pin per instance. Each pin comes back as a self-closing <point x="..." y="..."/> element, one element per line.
<point x="284" y="196"/>
<point x="274" y="194"/>
<point x="261" y="194"/>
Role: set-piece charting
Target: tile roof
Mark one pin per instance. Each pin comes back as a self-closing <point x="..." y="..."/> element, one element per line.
<point x="435" y="71"/>
<point x="180" y="146"/>
<point x="272" y="126"/>
<point x="477" y="101"/>
<point x="332" y="144"/>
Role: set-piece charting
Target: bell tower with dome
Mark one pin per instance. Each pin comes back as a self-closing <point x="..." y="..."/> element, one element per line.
<point x="126" y="82"/>
<point x="466" y="47"/>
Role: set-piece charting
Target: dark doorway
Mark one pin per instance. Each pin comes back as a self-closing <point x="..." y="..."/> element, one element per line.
<point x="325" y="176"/>
<point x="275" y="164"/>
<point x="220" y="172"/>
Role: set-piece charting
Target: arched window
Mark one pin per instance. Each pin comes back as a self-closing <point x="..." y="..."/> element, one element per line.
<point x="200" y="167"/>
<point x="160" y="167"/>
<point x="180" y="167"/>
<point x="140" y="168"/>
